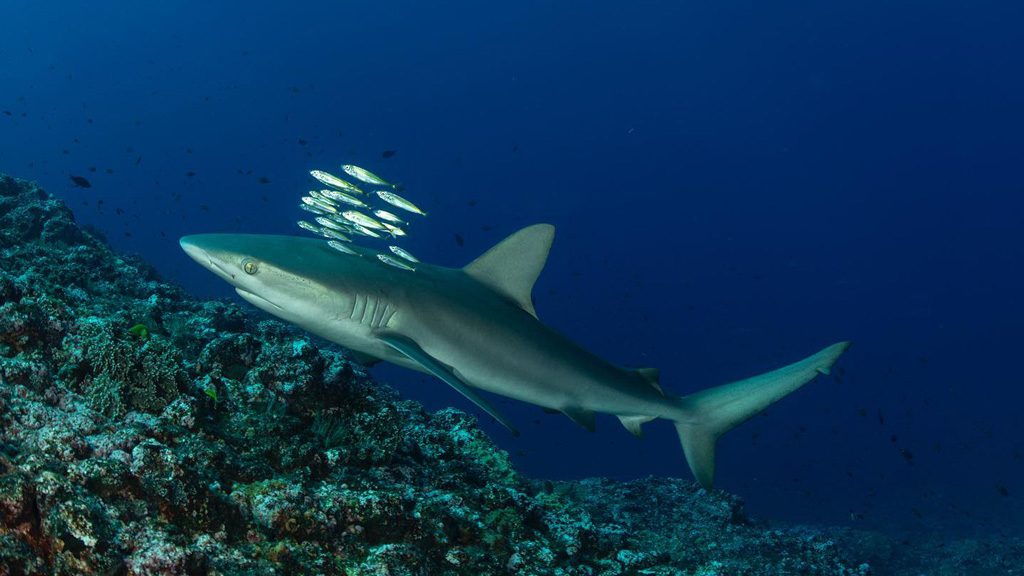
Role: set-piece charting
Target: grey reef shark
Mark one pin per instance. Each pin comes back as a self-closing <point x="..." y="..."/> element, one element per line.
<point x="476" y="329"/>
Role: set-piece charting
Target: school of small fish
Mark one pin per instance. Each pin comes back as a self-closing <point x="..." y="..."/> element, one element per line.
<point x="340" y="214"/>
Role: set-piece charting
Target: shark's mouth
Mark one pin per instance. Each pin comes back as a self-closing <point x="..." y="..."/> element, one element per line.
<point x="256" y="299"/>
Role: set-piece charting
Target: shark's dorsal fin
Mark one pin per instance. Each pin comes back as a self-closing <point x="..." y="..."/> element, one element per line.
<point x="412" y="351"/>
<point x="511" y="267"/>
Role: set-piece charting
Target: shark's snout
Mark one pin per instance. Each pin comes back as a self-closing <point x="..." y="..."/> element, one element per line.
<point x="191" y="247"/>
<point x="202" y="249"/>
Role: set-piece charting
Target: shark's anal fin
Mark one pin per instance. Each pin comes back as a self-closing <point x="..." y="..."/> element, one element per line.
<point x="582" y="417"/>
<point x="632" y="423"/>
<point x="413" y="351"/>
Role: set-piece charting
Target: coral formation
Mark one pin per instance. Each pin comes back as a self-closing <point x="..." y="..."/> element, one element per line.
<point x="145" y="432"/>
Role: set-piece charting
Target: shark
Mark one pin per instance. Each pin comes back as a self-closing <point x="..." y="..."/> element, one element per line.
<point x="476" y="329"/>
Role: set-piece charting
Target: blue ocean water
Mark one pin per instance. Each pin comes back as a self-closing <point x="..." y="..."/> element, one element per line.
<point x="735" y="185"/>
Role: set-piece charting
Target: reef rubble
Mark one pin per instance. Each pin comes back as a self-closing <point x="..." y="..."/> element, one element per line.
<point x="143" y="431"/>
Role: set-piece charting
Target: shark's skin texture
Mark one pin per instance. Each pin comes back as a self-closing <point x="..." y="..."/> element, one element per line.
<point x="475" y="328"/>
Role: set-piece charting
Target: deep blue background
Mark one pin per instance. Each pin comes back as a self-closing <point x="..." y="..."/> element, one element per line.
<point x="735" y="185"/>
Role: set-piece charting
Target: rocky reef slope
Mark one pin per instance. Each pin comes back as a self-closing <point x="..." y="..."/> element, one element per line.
<point x="145" y="432"/>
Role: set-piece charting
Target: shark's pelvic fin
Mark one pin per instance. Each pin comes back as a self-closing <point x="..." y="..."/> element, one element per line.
<point x="511" y="267"/>
<point x="582" y="417"/>
<point x="413" y="351"/>
<point x="363" y="358"/>
<point x="703" y="417"/>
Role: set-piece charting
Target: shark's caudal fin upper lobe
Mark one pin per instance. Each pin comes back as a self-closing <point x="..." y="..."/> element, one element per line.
<point x="703" y="417"/>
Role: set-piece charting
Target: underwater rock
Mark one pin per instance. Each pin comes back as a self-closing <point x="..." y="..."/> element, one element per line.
<point x="146" y="432"/>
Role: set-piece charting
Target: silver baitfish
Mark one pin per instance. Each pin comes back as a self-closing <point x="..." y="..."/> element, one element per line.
<point x="364" y="175"/>
<point x="361" y="219"/>
<point x="318" y="203"/>
<point x="332" y="180"/>
<point x="344" y="198"/>
<point x="399" y="202"/>
<point x="341" y="247"/>
<point x="395" y="262"/>
<point x="389" y="217"/>
<point x="393" y="230"/>
<point x="402" y="253"/>
<point x="308" y="227"/>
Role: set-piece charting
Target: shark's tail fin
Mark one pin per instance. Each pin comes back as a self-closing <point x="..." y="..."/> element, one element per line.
<point x="708" y="414"/>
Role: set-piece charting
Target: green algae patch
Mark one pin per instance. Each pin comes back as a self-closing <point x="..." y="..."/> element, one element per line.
<point x="139" y="331"/>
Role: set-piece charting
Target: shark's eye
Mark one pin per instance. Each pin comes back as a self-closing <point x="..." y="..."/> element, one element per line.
<point x="250" y="266"/>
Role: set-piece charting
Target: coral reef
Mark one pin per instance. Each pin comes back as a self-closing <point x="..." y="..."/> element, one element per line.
<point x="145" y="432"/>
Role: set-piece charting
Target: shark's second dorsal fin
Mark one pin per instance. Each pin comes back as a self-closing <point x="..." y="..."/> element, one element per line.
<point x="651" y="376"/>
<point x="511" y="267"/>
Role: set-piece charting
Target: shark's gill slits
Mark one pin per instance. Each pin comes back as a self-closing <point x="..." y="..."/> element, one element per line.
<point x="378" y="312"/>
<point x="370" y="310"/>
<point x="358" y="308"/>
<point x="389" y="313"/>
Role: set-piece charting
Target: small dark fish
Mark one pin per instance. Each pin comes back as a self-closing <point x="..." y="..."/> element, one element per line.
<point x="138" y="160"/>
<point x="118" y="211"/>
<point x="907" y="455"/>
<point x="8" y="113"/>
<point x="264" y="180"/>
<point x="92" y="168"/>
<point x="81" y="182"/>
<point x="387" y="154"/>
<point x="471" y="202"/>
<point x="190" y="173"/>
<point x="459" y="240"/>
<point x="109" y="170"/>
<point x="1003" y="491"/>
<point x="204" y="207"/>
<point x="302" y="142"/>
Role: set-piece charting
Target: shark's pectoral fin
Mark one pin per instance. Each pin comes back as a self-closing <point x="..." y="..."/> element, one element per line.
<point x="582" y="417"/>
<point x="632" y="423"/>
<point x="413" y="351"/>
